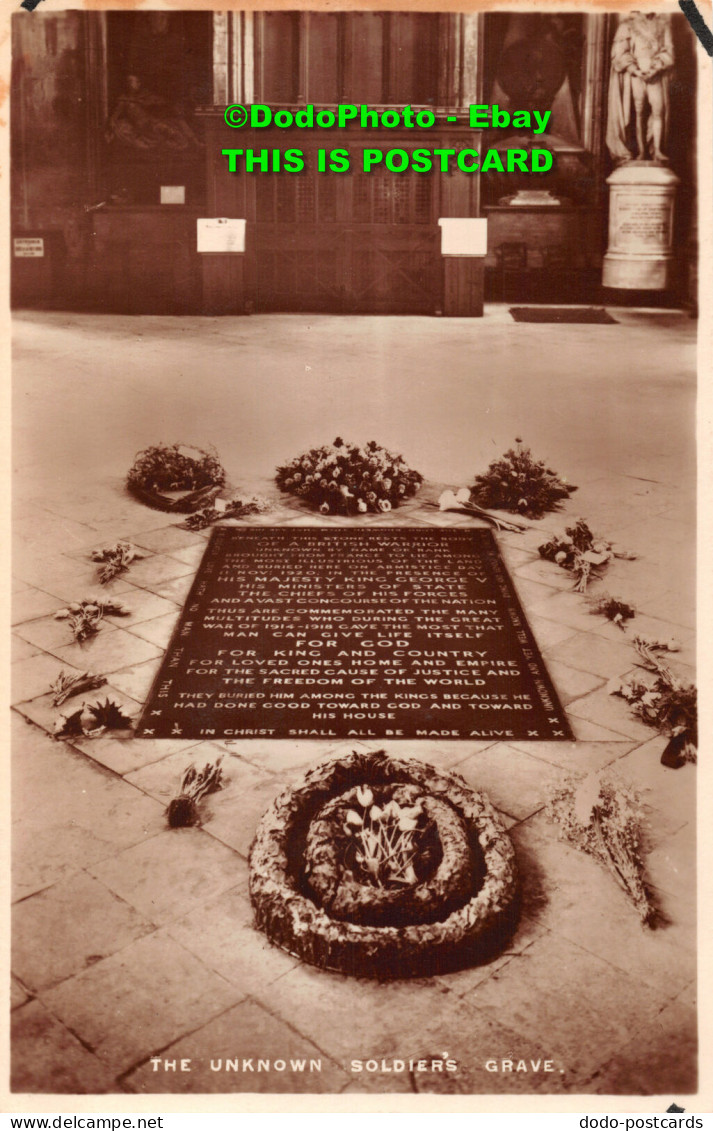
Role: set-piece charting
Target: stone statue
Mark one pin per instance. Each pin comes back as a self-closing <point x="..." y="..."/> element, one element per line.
<point x="641" y="66"/>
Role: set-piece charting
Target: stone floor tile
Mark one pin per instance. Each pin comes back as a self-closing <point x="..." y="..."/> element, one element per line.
<point x="50" y="635"/>
<point x="221" y="933"/>
<point x="566" y="608"/>
<point x="530" y="593"/>
<point x="21" y="650"/>
<point x="603" y="708"/>
<point x="644" y="582"/>
<point x="670" y="607"/>
<point x="545" y="572"/>
<point x="577" y="757"/>
<point x="18" y="994"/>
<point x="47" y="1058"/>
<point x="137" y="679"/>
<point x="161" y="777"/>
<point x="169" y="538"/>
<point x="671" y="866"/>
<point x="124" y="754"/>
<point x="353" y="1017"/>
<point x="569" y="683"/>
<point x="108" y="651"/>
<point x="37" y="526"/>
<point x="190" y="555"/>
<point x="586" y="731"/>
<point x="157" y="570"/>
<point x="514" y="782"/>
<point x="607" y="925"/>
<point x="32" y="677"/>
<point x="31" y="604"/>
<point x="166" y="876"/>
<point x="246" y="1033"/>
<point x="588" y="652"/>
<point x="590" y="1008"/>
<point x="233" y="817"/>
<point x="513" y="556"/>
<point x="176" y="590"/>
<point x="163" y="991"/>
<point x="538" y="531"/>
<point x="73" y="924"/>
<point x="65" y="578"/>
<point x="67" y="812"/>
<point x="548" y="633"/>
<point x="653" y="628"/>
<point x="445" y="754"/>
<point x="669" y="796"/>
<point x="158" y="630"/>
<point x="659" y="1060"/>
<point x="475" y="1038"/>
<point x="144" y="606"/>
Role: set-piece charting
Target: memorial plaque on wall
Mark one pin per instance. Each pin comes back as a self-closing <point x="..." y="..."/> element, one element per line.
<point x="353" y="633"/>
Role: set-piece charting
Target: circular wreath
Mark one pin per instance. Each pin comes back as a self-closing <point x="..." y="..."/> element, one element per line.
<point x="459" y="909"/>
<point x="342" y="478"/>
<point x="175" y="467"/>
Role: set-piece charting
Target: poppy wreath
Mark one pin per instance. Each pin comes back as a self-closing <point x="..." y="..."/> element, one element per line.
<point x="197" y="474"/>
<point x="318" y="885"/>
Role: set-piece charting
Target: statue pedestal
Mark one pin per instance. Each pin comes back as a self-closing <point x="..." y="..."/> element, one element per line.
<point x="641" y="202"/>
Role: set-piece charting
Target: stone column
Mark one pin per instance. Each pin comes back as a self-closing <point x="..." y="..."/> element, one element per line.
<point x="640" y="253"/>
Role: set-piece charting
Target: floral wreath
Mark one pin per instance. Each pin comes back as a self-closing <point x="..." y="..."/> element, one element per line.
<point x="307" y="902"/>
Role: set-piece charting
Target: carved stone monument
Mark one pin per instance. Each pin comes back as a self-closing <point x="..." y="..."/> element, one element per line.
<point x="643" y="187"/>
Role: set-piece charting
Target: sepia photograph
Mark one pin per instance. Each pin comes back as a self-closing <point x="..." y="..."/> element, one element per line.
<point x="354" y="714"/>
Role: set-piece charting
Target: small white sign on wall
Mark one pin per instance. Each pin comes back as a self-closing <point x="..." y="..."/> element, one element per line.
<point x="173" y="194"/>
<point x="221" y="234"/>
<point x="463" y="235"/>
<point x="28" y="247"/>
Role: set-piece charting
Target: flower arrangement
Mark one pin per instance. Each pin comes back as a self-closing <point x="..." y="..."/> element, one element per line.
<point x="667" y="703"/>
<point x="603" y="817"/>
<point x="343" y="478"/>
<point x="183" y="809"/>
<point x="581" y="553"/>
<point x="225" y="508"/>
<point x="115" y="559"/>
<point x="85" y="616"/>
<point x="196" y="473"/>
<point x="618" y="612"/>
<point x="520" y="484"/>
<point x="91" y="721"/>
<point x="383" y="867"/>
<point x="67" y="685"/>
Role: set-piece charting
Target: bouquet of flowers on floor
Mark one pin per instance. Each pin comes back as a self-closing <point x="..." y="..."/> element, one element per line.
<point x="346" y="479"/>
<point x="460" y="501"/>
<point x="604" y="818"/>
<point x="221" y="509"/>
<point x="581" y="553"/>
<point x="85" y="617"/>
<point x="520" y="484"/>
<point x="115" y="559"/>
<point x="667" y="703"/>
